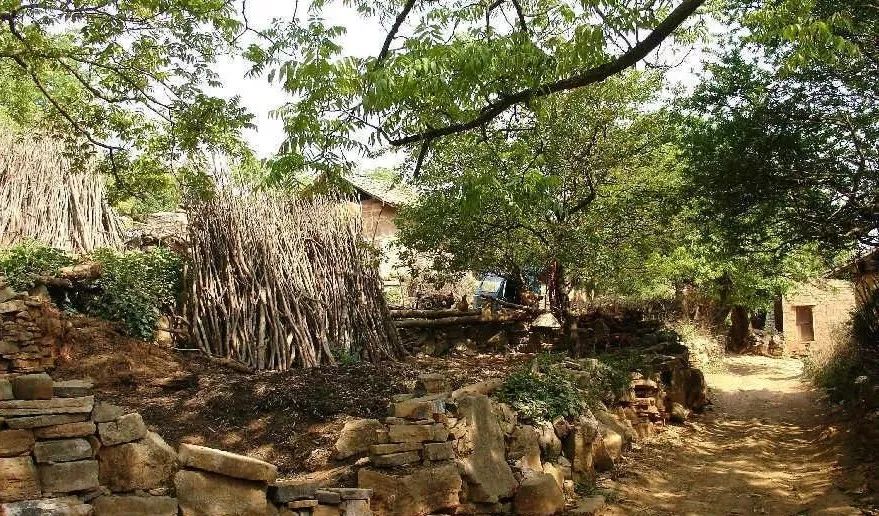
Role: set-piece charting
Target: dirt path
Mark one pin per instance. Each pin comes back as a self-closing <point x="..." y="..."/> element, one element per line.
<point x="762" y="450"/>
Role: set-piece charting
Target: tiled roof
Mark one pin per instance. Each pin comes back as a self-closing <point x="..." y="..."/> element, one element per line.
<point x="391" y="191"/>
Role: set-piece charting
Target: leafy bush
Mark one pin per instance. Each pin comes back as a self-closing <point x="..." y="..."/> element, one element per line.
<point x="134" y="286"/>
<point x="865" y="322"/>
<point x="542" y="391"/>
<point x="23" y="263"/>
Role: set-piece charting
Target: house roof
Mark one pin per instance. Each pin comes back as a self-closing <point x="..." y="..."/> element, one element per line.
<point x="865" y="262"/>
<point x="390" y="190"/>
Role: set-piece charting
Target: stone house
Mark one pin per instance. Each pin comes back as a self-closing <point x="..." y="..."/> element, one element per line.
<point x="379" y="200"/>
<point x="863" y="271"/>
<point x="811" y="313"/>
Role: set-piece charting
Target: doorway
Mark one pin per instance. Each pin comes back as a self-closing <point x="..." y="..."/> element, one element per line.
<point x="805" y="324"/>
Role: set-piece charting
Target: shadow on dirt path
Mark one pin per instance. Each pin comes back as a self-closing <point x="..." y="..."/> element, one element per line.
<point x="763" y="449"/>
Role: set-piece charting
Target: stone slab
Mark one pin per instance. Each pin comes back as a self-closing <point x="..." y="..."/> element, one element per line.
<point x="302" y="504"/>
<point x="125" y="429"/>
<point x="201" y="493"/>
<point x="328" y="497"/>
<point x="438" y="451"/>
<point x="289" y="491"/>
<point x="44" y="421"/>
<point x="385" y="449"/>
<point x="396" y="459"/>
<point x="13" y="408"/>
<point x="72" y="388"/>
<point x="417" y="433"/>
<point x="32" y="387"/>
<point x="65" y="430"/>
<point x="68" y="477"/>
<point x="15" y="442"/>
<point x="226" y="463"/>
<point x="64" y="450"/>
<point x="65" y="506"/>
<point x="135" y="506"/>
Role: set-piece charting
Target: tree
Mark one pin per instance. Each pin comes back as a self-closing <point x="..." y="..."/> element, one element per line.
<point x="783" y="144"/>
<point x="122" y="81"/>
<point x="445" y="68"/>
<point x="573" y="190"/>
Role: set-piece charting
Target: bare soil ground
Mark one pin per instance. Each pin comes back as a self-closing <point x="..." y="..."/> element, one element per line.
<point x="767" y="447"/>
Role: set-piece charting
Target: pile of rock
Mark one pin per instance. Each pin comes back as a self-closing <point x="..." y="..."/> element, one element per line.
<point x="299" y="499"/>
<point x="63" y="453"/>
<point x="30" y="332"/>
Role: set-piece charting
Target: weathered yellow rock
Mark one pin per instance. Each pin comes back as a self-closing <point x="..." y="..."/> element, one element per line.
<point x="539" y="495"/>
<point x="15" y="442"/>
<point x="201" y="493"/>
<point x="425" y="491"/>
<point x="226" y="463"/>
<point x="19" y="479"/>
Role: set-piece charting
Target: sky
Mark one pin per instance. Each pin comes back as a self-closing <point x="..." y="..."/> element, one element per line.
<point x="363" y="38"/>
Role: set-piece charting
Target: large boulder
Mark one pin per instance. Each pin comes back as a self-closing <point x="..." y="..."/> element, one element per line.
<point x="550" y="444"/>
<point x="146" y="464"/>
<point x="488" y="476"/>
<point x="608" y="450"/>
<point x="19" y="479"/>
<point x="424" y="491"/>
<point x="688" y="388"/>
<point x="580" y="446"/>
<point x="539" y="495"/>
<point x="201" y="493"/>
<point x="358" y="435"/>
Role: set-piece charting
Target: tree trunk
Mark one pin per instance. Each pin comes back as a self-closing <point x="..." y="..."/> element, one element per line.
<point x="739" y="331"/>
<point x="555" y="291"/>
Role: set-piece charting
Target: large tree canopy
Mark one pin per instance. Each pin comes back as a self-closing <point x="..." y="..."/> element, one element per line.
<point x="447" y="67"/>
<point x="122" y="80"/>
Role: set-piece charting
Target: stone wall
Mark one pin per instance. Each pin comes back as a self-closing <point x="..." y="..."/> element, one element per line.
<point x="30" y="333"/>
<point x="63" y="453"/>
<point x="831" y="303"/>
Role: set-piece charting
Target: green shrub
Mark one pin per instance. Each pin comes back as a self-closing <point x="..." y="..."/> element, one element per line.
<point x="835" y="369"/>
<point x="23" y="263"/>
<point x="134" y="287"/>
<point x="542" y="391"/>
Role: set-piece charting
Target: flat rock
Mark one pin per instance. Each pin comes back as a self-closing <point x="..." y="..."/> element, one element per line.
<point x="226" y="463"/>
<point x="77" y="429"/>
<point x="13" y="408"/>
<point x="417" y="433"/>
<point x="15" y="442"/>
<point x="328" y="497"/>
<point x="64" y="450"/>
<point x="19" y="479"/>
<point x="396" y="459"/>
<point x="135" y="506"/>
<point x="124" y="429"/>
<point x="290" y="491"/>
<point x="145" y="464"/>
<point x="485" y="387"/>
<point x="72" y="388"/>
<point x="64" y="506"/>
<point x="67" y="477"/>
<point x="32" y="387"/>
<point x="418" y="408"/>
<point x="42" y="421"/>
<point x="424" y="491"/>
<point x="357" y="436"/>
<point x="384" y="449"/>
<point x="201" y="493"/>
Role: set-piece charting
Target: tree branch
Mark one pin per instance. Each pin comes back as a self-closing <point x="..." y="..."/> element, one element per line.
<point x="401" y="17"/>
<point x="590" y="76"/>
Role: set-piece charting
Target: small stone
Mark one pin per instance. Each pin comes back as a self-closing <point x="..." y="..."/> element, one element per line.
<point x="46" y="407"/>
<point x="65" y="450"/>
<point x="78" y="429"/>
<point x="67" y="477"/>
<point x="439" y="451"/>
<point x="19" y="479"/>
<point x="396" y="459"/>
<point x="105" y="412"/>
<point x="115" y="505"/>
<point x="225" y="463"/>
<point x="43" y="421"/>
<point x="15" y="442"/>
<point x="32" y="387"/>
<point x="384" y="449"/>
<point x="328" y="497"/>
<point x="125" y="429"/>
<point x="72" y="388"/>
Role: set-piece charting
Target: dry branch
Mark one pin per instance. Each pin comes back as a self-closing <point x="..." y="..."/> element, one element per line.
<point x="431" y="314"/>
<point x="43" y="199"/>
<point x="276" y="283"/>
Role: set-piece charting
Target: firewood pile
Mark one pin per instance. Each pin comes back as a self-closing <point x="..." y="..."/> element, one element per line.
<point x="278" y="283"/>
<point x="43" y="198"/>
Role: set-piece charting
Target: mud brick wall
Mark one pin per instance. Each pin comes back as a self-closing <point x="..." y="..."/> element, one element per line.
<point x="30" y="334"/>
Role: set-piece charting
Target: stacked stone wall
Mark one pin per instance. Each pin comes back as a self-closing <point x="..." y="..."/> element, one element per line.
<point x="30" y="333"/>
